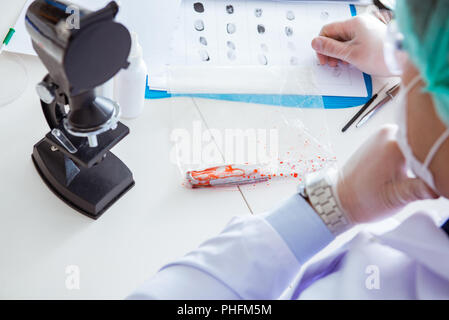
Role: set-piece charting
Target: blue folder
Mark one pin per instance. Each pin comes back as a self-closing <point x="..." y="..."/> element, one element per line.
<point x="329" y="102"/>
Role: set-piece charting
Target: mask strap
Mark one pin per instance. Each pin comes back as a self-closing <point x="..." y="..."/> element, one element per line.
<point x="436" y="146"/>
<point x="413" y="83"/>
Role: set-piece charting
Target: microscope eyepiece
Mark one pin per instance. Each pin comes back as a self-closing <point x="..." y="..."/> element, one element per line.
<point x="78" y="59"/>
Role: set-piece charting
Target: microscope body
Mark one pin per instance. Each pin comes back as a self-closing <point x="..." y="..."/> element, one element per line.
<point x="74" y="158"/>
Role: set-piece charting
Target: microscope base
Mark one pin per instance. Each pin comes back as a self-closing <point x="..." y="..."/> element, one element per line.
<point x="91" y="191"/>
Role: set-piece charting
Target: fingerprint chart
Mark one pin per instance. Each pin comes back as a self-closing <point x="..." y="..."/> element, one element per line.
<point x="249" y="32"/>
<point x="258" y="33"/>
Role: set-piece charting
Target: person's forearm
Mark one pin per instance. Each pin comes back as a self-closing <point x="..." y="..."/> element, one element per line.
<point x="253" y="258"/>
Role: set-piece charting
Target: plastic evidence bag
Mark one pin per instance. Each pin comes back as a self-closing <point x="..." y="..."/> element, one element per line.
<point x="279" y="142"/>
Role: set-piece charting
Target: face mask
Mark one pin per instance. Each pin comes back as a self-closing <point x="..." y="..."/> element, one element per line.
<point x="421" y="170"/>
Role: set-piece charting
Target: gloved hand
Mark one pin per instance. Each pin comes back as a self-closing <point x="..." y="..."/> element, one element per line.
<point x="374" y="184"/>
<point x="358" y="41"/>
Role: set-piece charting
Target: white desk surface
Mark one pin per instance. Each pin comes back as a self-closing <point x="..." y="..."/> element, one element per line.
<point x="156" y="222"/>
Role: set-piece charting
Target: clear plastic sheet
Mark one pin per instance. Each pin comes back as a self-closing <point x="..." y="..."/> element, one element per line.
<point x="247" y="102"/>
<point x="276" y="142"/>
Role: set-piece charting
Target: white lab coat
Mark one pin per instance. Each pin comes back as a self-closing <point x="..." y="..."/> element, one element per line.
<point x="250" y="260"/>
<point x="409" y="262"/>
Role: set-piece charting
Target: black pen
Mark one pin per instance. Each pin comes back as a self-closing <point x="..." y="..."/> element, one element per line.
<point x="362" y="110"/>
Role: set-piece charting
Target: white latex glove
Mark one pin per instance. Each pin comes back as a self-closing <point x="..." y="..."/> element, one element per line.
<point x="374" y="184"/>
<point x="358" y="41"/>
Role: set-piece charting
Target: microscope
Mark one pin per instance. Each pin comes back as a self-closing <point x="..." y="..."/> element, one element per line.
<point x="74" y="159"/>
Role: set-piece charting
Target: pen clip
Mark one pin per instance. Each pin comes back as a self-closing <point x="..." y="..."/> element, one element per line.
<point x="392" y="92"/>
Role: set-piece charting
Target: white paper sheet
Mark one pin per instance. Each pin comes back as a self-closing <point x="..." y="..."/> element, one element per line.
<point x="21" y="42"/>
<point x="152" y="20"/>
<point x="262" y="32"/>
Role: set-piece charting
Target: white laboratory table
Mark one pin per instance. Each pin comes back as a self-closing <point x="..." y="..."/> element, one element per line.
<point x="156" y="222"/>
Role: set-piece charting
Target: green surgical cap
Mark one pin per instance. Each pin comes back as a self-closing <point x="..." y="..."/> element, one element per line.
<point x="425" y="25"/>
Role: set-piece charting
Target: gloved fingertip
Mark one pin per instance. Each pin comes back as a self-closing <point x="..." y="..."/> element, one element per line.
<point x="317" y="44"/>
<point x="322" y="59"/>
<point x="333" y="62"/>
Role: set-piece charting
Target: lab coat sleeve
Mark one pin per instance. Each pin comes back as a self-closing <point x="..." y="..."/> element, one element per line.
<point x="255" y="257"/>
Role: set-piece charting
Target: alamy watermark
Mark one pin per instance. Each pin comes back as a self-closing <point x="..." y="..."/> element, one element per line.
<point x="372" y="282"/>
<point x="73" y="277"/>
<point x="211" y="146"/>
<point x="73" y="20"/>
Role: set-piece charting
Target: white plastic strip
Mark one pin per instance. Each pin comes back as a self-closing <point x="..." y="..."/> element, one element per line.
<point x="242" y="80"/>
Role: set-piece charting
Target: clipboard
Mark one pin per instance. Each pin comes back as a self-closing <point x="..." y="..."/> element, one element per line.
<point x="329" y="102"/>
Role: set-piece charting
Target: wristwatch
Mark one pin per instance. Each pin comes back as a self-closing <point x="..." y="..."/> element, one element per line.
<point x="318" y="189"/>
